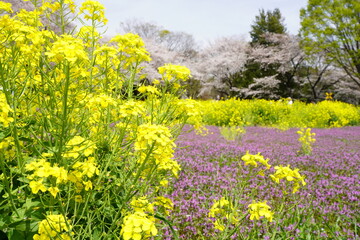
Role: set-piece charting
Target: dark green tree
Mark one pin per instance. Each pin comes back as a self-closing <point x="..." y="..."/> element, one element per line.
<point x="266" y="22"/>
<point x="333" y="26"/>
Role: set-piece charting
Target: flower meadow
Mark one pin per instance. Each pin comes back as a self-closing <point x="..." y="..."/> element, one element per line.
<point x="87" y="152"/>
<point x="214" y="167"/>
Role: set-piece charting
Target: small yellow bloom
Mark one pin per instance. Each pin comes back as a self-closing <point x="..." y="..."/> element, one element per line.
<point x="219" y="226"/>
<point x="328" y="96"/>
<point x="5" y="110"/>
<point x="164" y="183"/>
<point x="260" y="209"/>
<point x="250" y="159"/>
<point x="79" y="198"/>
<point x="53" y="191"/>
<point x="37" y="186"/>
<point x="148" y="89"/>
<point x="88" y="185"/>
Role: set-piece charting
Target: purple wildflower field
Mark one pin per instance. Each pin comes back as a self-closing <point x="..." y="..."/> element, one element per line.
<point x="327" y="207"/>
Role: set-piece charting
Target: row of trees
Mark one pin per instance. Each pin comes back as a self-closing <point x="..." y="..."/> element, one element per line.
<point x="323" y="57"/>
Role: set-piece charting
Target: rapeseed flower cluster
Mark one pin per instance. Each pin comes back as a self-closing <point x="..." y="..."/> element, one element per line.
<point x="94" y="11"/>
<point x="171" y="72"/>
<point x="140" y="223"/>
<point x="158" y="138"/>
<point x="7" y="147"/>
<point x="131" y="49"/>
<point x="30" y="18"/>
<point x="88" y="34"/>
<point x="165" y="204"/>
<point x="290" y="175"/>
<point x="54" y="227"/>
<point x="79" y="146"/>
<point x="191" y="109"/>
<point x="253" y="160"/>
<point x="69" y="48"/>
<point x="82" y="172"/>
<point x="260" y="209"/>
<point x="142" y="204"/>
<point x="137" y="226"/>
<point x="6" y="7"/>
<point x="99" y="106"/>
<point x="132" y="109"/>
<point x="43" y="176"/>
<point x="5" y="111"/>
<point x="306" y="138"/>
<point x="150" y="90"/>
<point x="101" y="101"/>
<point x="257" y="209"/>
<point x="221" y="209"/>
<point x="279" y="114"/>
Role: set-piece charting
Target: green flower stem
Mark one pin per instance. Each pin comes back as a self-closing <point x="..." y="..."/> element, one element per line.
<point x="129" y="193"/>
<point x="64" y="116"/>
<point x="7" y="184"/>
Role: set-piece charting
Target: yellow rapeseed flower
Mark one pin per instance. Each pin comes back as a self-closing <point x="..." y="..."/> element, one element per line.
<point x="37" y="186"/>
<point x="69" y="48"/>
<point x="290" y="175"/>
<point x="221" y="209"/>
<point x="5" y="111"/>
<point x="79" y="146"/>
<point x="250" y="159"/>
<point x="172" y="72"/>
<point x="93" y="10"/>
<point x="306" y="138"/>
<point x="5" y="7"/>
<point x="142" y="205"/>
<point x="53" y="191"/>
<point x="149" y="134"/>
<point x="149" y="90"/>
<point x="53" y="227"/>
<point x="137" y="225"/>
<point x="260" y="209"/>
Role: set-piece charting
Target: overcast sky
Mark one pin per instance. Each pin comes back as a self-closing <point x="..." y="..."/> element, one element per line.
<point x="206" y="20"/>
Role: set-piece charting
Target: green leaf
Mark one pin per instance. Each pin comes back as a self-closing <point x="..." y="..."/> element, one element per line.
<point x="15" y="234"/>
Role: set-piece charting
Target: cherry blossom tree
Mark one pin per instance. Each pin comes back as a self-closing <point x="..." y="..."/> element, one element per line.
<point x="266" y="87"/>
<point x="298" y="75"/>
<point x="219" y="62"/>
<point x="172" y="40"/>
<point x="165" y="47"/>
<point x="284" y="54"/>
<point x="347" y="91"/>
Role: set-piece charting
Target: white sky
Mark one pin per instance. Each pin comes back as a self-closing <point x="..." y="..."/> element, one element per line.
<point x="206" y="20"/>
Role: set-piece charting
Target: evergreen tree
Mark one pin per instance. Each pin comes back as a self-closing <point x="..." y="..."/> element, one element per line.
<point x="269" y="22"/>
<point x="266" y="22"/>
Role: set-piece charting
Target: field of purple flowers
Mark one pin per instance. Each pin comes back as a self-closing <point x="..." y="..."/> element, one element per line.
<point x="327" y="207"/>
